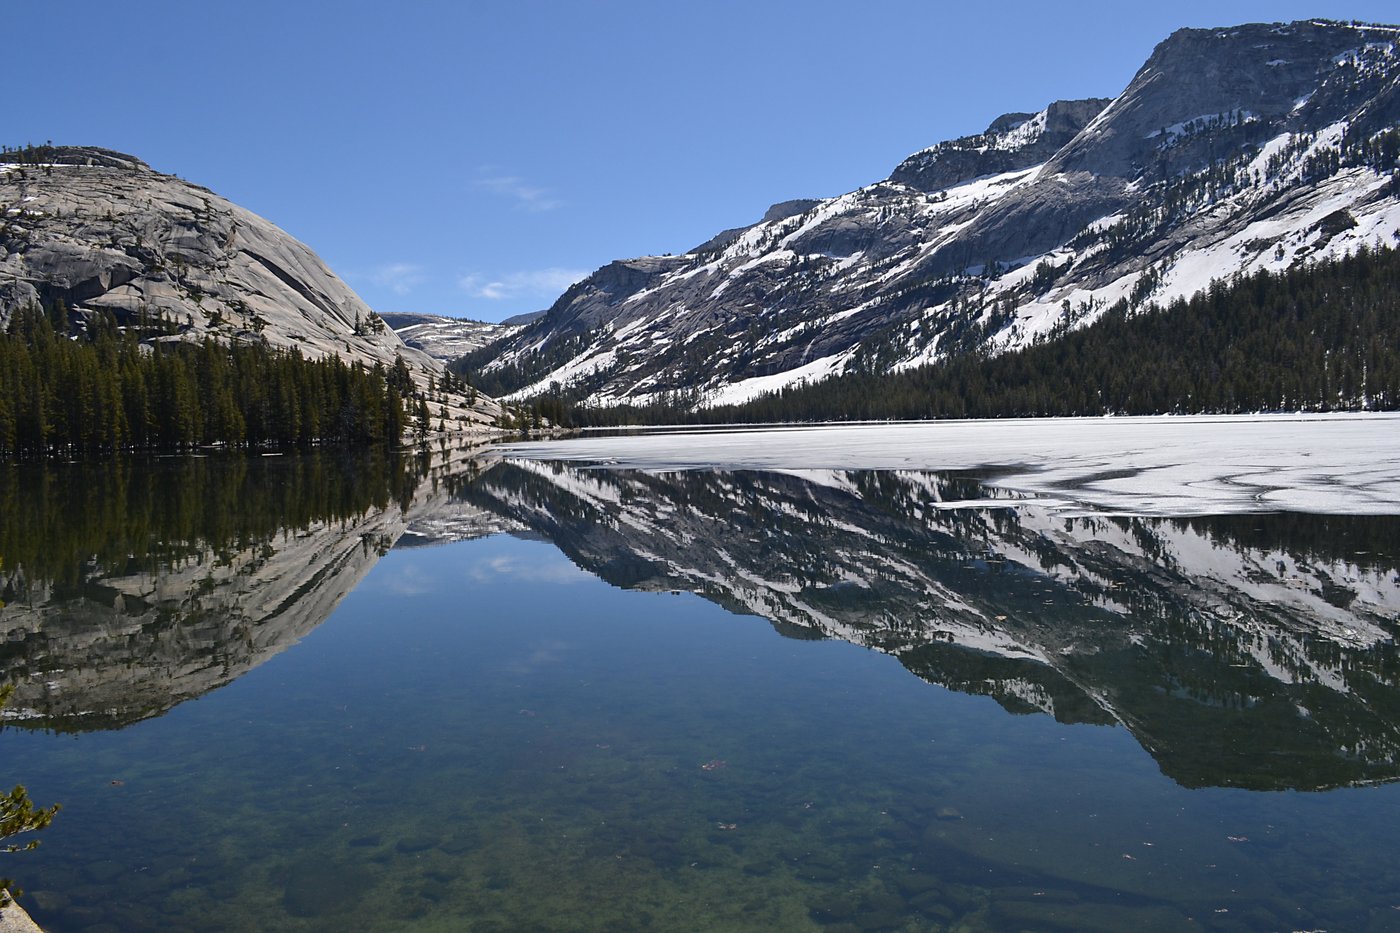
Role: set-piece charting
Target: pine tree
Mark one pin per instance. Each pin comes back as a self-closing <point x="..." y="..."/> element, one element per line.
<point x="18" y="815"/>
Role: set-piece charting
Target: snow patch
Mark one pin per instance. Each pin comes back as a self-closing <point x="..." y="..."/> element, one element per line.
<point x="747" y="390"/>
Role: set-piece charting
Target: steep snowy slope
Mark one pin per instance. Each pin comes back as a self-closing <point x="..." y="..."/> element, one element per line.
<point x="1260" y="146"/>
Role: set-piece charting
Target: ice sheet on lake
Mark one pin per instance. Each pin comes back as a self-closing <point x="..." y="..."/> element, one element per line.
<point x="1191" y="465"/>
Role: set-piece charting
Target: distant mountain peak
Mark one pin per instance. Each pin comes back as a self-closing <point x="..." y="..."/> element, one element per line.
<point x="1013" y="141"/>
<point x="49" y="154"/>
<point x="1231" y="150"/>
<point x="445" y="338"/>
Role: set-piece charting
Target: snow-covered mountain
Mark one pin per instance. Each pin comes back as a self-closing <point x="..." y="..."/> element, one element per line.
<point x="1239" y="650"/>
<point x="1256" y="147"/>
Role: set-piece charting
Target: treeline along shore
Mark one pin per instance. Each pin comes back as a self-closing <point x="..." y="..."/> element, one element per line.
<point x="67" y="391"/>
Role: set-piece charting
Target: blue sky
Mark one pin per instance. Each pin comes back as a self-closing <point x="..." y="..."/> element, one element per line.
<point x="472" y="158"/>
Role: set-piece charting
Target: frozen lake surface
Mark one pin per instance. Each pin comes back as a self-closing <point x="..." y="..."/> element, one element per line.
<point x="1189" y="465"/>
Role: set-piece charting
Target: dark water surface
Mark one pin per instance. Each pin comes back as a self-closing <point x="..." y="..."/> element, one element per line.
<point x="702" y="701"/>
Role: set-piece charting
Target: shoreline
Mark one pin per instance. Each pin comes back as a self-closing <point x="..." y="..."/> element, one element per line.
<point x="1329" y="463"/>
<point x="15" y="919"/>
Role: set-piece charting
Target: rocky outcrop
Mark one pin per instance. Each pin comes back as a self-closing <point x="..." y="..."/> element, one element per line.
<point x="1013" y="142"/>
<point x="15" y="919"/>
<point x="1205" y="97"/>
<point x="1226" y="153"/>
<point x="780" y="211"/>
<point x="101" y="231"/>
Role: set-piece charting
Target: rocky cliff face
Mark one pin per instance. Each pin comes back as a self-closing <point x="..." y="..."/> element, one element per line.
<point x="1257" y="147"/>
<point x="1013" y="142"/>
<point x="100" y="230"/>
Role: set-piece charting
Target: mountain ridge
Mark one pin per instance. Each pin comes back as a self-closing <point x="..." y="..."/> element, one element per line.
<point x="1254" y="147"/>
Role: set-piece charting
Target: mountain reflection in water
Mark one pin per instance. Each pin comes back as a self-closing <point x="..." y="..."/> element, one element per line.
<point x="128" y="587"/>
<point x="1252" y="651"/>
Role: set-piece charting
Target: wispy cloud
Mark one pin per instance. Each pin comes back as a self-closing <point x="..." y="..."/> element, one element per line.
<point x="558" y="570"/>
<point x="399" y="277"/>
<point x="527" y="197"/>
<point x="408" y="582"/>
<point x="543" y="655"/>
<point x="538" y="283"/>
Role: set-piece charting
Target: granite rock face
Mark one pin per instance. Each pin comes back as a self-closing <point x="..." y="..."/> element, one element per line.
<point x="100" y="230"/>
<point x="1014" y="141"/>
<point x="1227" y="152"/>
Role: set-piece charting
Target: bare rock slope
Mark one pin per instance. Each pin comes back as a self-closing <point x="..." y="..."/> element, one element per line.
<point x="101" y="230"/>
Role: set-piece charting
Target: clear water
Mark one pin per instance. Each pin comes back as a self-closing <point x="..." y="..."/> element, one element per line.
<point x="487" y="735"/>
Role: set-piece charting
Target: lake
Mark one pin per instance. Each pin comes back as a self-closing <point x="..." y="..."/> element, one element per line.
<point x="1037" y="676"/>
